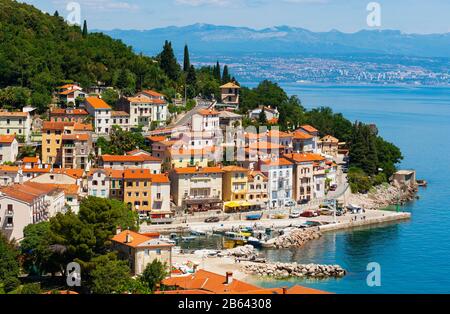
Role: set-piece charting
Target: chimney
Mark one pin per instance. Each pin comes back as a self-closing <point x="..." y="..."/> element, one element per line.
<point x="128" y="238"/>
<point x="118" y="229"/>
<point x="229" y="278"/>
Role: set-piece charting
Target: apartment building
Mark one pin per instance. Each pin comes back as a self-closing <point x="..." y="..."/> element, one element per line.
<point x="52" y="134"/>
<point x="303" y="142"/>
<point x="101" y="113"/>
<point x="16" y="123"/>
<point x="141" y="250"/>
<point x="69" y="93"/>
<point x="76" y="149"/>
<point x="145" y="108"/>
<point x="24" y="204"/>
<point x="312" y="131"/>
<point x="280" y="173"/>
<point x="197" y="189"/>
<point x="9" y="148"/>
<point x="304" y="174"/>
<point x="146" y="192"/>
<point x="234" y="183"/>
<point x="257" y="188"/>
<point x="329" y="145"/>
<point x="206" y="122"/>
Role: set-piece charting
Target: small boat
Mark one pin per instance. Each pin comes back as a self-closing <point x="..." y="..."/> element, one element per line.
<point x="167" y="239"/>
<point x="254" y="241"/>
<point x="188" y="238"/>
<point x="422" y="183"/>
<point x="200" y="233"/>
<point x="245" y="233"/>
<point x="254" y="217"/>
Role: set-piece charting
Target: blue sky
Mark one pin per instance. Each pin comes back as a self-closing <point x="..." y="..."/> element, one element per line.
<point x="409" y="16"/>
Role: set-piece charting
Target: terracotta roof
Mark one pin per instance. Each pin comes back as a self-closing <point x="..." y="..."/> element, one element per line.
<point x="13" y="114"/>
<point x="69" y="189"/>
<point x="193" y="170"/>
<point x="159" y="178"/>
<point x="208" y="281"/>
<point x="152" y="93"/>
<point x="97" y="103"/>
<point x="309" y="128"/>
<point x="230" y="85"/>
<point x="156" y="138"/>
<point x="83" y="127"/>
<point x="253" y="173"/>
<point x="145" y="174"/>
<point x="208" y="112"/>
<point x="76" y="137"/>
<point x="59" y="126"/>
<point x="277" y="162"/>
<point x="298" y="135"/>
<point x="74" y="173"/>
<point x="6" y="168"/>
<point x="234" y="169"/>
<point x="329" y="139"/>
<point x="7" y="139"/>
<point x="272" y="121"/>
<point x="36" y="169"/>
<point x="189" y="292"/>
<point x="68" y="92"/>
<point x="129" y="158"/>
<point x="116" y="174"/>
<point x="28" y="191"/>
<point x="304" y="157"/>
<point x="138" y="240"/>
<point x="265" y="145"/>
<point x="30" y="159"/>
<point x="62" y="112"/>
<point x="119" y="114"/>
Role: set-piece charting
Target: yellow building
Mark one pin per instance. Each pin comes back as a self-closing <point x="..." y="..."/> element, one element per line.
<point x="138" y="190"/>
<point x="234" y="183"/>
<point x="52" y="134"/>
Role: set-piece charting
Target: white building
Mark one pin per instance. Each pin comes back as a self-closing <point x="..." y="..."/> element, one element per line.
<point x="24" y="204"/>
<point x="9" y="148"/>
<point x="101" y="112"/>
<point x="123" y="162"/>
<point x="280" y="175"/>
<point x="16" y="123"/>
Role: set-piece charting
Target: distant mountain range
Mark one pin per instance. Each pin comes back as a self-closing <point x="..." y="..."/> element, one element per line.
<point x="284" y="40"/>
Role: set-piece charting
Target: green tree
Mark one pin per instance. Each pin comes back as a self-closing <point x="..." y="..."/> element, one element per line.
<point x="29" y="288"/>
<point x="9" y="264"/>
<point x="262" y="119"/>
<point x="85" y="29"/>
<point x="168" y="62"/>
<point x="226" y="78"/>
<point x="187" y="61"/>
<point x="111" y="97"/>
<point x="154" y="273"/>
<point x="121" y="141"/>
<point x="108" y="275"/>
<point x="217" y="72"/>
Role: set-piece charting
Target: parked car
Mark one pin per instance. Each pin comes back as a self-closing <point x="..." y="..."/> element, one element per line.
<point x="309" y="214"/>
<point x="333" y="187"/>
<point x="143" y="217"/>
<point x="326" y="212"/>
<point x="302" y="202"/>
<point x="295" y="214"/>
<point x="212" y="219"/>
<point x="289" y="203"/>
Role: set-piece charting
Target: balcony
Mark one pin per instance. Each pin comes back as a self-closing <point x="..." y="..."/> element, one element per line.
<point x="9" y="213"/>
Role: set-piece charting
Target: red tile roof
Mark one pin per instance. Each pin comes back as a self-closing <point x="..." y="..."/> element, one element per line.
<point x="56" y="126"/>
<point x="277" y="162"/>
<point x="193" y="170"/>
<point x="30" y="159"/>
<point x="97" y="103"/>
<point x="119" y="114"/>
<point x="208" y="112"/>
<point x="129" y="158"/>
<point x="7" y="139"/>
<point x="304" y="157"/>
<point x="13" y="114"/>
<point x="135" y="240"/>
<point x="308" y="128"/>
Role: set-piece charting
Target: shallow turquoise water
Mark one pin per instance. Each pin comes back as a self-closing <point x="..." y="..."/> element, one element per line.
<point x="414" y="256"/>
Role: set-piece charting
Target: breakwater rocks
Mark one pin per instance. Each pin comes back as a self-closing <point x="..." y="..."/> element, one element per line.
<point x="246" y="251"/>
<point x="285" y="270"/>
<point x="384" y="195"/>
<point x="294" y="239"/>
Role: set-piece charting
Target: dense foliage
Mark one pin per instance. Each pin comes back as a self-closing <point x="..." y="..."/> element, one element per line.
<point x="9" y="265"/>
<point x="121" y="142"/>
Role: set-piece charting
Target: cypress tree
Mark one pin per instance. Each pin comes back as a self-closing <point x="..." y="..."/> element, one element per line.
<point x="187" y="62"/>
<point x="217" y="72"/>
<point x="226" y="75"/>
<point x="56" y="14"/>
<point x="168" y="62"/>
<point x="85" y="29"/>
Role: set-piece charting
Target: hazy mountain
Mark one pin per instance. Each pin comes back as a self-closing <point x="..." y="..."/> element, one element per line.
<point x="206" y="38"/>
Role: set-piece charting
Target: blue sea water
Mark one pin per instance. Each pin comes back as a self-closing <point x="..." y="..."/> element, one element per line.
<point x="415" y="255"/>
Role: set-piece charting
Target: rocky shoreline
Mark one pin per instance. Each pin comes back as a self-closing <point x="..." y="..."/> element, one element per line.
<point x="383" y="196"/>
<point x="294" y="239"/>
<point x="286" y="270"/>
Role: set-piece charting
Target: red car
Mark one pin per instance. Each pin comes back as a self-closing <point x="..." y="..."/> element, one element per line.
<point x="308" y="214"/>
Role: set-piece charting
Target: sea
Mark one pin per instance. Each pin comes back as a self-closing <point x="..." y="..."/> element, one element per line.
<point x="411" y="256"/>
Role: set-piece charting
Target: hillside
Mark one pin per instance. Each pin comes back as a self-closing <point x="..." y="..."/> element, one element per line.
<point x="39" y="51"/>
<point x="205" y="38"/>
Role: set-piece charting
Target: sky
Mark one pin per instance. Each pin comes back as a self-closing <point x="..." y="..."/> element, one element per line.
<point x="408" y="16"/>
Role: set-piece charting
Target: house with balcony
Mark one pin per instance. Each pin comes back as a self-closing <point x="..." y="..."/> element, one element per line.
<point x="24" y="204"/>
<point x="76" y="149"/>
<point x="279" y="172"/>
<point x="229" y="94"/>
<point x="69" y="115"/>
<point x="145" y="109"/>
<point x="121" y="119"/>
<point x="69" y="93"/>
<point x="258" y="188"/>
<point x="197" y="189"/>
<point x="311" y="131"/>
<point x="304" y="178"/>
<point x="329" y="145"/>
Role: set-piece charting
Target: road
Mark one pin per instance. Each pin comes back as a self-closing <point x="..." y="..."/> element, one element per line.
<point x="188" y="115"/>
